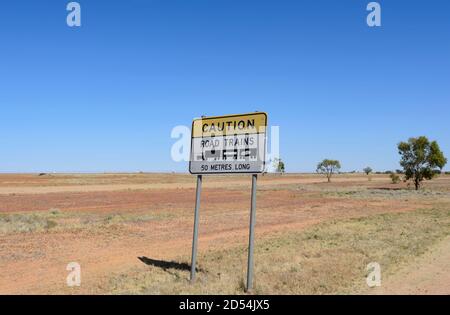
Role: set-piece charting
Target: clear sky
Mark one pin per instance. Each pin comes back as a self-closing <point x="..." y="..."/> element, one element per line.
<point x="105" y="96"/>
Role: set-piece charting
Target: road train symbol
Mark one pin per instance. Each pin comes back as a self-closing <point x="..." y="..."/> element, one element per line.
<point x="245" y="154"/>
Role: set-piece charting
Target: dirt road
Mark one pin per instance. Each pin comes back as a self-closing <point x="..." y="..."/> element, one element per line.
<point x="429" y="274"/>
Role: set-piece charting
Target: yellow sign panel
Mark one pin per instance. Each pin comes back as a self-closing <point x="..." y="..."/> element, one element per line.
<point x="229" y="125"/>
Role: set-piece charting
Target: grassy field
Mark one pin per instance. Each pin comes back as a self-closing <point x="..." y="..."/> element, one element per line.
<point x="55" y="220"/>
<point x="131" y="233"/>
<point x="328" y="258"/>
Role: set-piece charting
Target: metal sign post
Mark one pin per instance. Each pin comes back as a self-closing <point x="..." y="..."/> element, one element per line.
<point x="251" y="236"/>
<point x="233" y="144"/>
<point x="195" y="237"/>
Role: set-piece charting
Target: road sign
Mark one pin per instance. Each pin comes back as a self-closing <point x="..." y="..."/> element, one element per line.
<point x="228" y="144"/>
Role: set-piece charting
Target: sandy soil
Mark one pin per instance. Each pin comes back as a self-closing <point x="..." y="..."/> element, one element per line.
<point x="34" y="184"/>
<point x="36" y="262"/>
<point x="429" y="274"/>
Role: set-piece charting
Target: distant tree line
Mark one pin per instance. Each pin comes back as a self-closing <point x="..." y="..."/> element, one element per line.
<point x="420" y="159"/>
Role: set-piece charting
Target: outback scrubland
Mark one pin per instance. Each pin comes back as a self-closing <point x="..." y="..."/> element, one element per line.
<point x="132" y="233"/>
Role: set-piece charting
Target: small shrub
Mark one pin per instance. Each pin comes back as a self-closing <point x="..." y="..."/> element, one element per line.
<point x="55" y="211"/>
<point x="23" y="223"/>
<point x="114" y="219"/>
<point x="50" y="224"/>
<point x="395" y="178"/>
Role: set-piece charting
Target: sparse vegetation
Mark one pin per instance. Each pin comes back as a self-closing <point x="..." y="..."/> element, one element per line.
<point x="328" y="168"/>
<point x="319" y="260"/>
<point x="279" y="165"/>
<point x="54" y="219"/>
<point x="420" y="159"/>
<point x="25" y="222"/>
<point x="354" y="223"/>
<point x="394" y="178"/>
<point x="368" y="170"/>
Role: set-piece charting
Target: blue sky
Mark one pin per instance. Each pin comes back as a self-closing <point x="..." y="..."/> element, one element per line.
<point x="105" y="97"/>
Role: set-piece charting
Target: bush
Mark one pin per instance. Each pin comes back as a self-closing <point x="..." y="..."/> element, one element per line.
<point x="55" y="211"/>
<point x="395" y="178"/>
<point x="22" y="223"/>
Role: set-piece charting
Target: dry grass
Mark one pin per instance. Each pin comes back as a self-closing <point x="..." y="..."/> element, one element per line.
<point x="106" y="221"/>
<point x="57" y="220"/>
<point x="386" y="194"/>
<point x="329" y="258"/>
<point x="27" y="222"/>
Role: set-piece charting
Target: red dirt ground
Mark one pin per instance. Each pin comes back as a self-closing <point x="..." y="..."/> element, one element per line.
<point x="36" y="262"/>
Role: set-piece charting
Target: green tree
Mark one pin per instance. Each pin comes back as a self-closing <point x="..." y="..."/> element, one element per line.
<point x="279" y="165"/>
<point x="420" y="159"/>
<point x="328" y="168"/>
<point x="368" y="170"/>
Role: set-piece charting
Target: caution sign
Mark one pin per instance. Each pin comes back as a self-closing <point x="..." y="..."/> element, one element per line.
<point x="228" y="144"/>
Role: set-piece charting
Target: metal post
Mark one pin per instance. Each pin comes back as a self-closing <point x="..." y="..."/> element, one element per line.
<point x="195" y="237"/>
<point x="251" y="235"/>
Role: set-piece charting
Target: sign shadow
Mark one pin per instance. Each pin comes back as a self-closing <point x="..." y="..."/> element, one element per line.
<point x="167" y="264"/>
